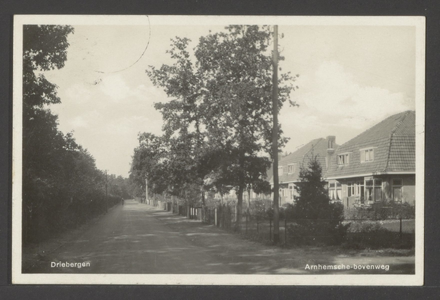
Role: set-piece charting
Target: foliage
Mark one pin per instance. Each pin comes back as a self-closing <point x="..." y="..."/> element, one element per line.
<point x="314" y="214"/>
<point x="382" y="211"/>
<point x="62" y="187"/>
<point x="222" y="105"/>
<point x="361" y="235"/>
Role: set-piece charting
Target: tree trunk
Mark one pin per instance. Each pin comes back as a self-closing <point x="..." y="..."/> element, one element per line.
<point x="239" y="205"/>
<point x="240" y="189"/>
<point x="203" y="196"/>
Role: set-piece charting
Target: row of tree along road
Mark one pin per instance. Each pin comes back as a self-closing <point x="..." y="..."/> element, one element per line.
<point x="218" y="132"/>
<point x="62" y="188"/>
<point x="312" y="220"/>
<point x="218" y="128"/>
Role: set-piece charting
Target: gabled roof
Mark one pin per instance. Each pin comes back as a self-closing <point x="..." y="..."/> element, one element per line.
<point x="393" y="141"/>
<point x="317" y="147"/>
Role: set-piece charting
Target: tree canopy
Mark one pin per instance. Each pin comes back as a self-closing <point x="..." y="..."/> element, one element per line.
<point x="222" y="106"/>
<point x="61" y="185"/>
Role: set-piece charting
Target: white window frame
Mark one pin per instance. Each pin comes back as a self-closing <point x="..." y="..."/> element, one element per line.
<point x="397" y="185"/>
<point x="345" y="159"/>
<point x="367" y="151"/>
<point x="291" y="168"/>
<point x="280" y="171"/>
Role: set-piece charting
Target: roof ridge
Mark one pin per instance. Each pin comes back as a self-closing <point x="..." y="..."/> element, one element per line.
<point x="400" y="122"/>
<point x="403" y="117"/>
<point x="312" y="147"/>
<point x="377" y="124"/>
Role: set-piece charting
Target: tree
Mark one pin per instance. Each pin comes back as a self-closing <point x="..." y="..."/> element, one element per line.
<point x="312" y="201"/>
<point x="44" y="48"/>
<point x="224" y="94"/>
<point x="61" y="185"/>
<point x="313" y="209"/>
<point x="145" y="161"/>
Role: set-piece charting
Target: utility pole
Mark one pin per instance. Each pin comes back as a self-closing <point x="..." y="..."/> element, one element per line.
<point x="106" y="192"/>
<point x="276" y="219"/>
<point x="146" y="191"/>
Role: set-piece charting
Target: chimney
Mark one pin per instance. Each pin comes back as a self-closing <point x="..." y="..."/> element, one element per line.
<point x="330" y="149"/>
<point x="331" y="144"/>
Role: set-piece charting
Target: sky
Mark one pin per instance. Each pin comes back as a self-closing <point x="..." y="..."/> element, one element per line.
<point x="351" y="77"/>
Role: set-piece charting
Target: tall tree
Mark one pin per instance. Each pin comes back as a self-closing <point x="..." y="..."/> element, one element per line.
<point x="237" y="70"/>
<point x="61" y="185"/>
<point x="223" y="93"/>
<point x="312" y="201"/>
<point x="44" y="48"/>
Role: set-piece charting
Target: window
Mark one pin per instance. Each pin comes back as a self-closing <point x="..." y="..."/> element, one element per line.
<point x="373" y="189"/>
<point x="369" y="190"/>
<point x="360" y="191"/>
<point x="280" y="171"/>
<point x="291" y="193"/>
<point x="350" y="189"/>
<point x="377" y="190"/>
<point x="367" y="155"/>
<point x="335" y="191"/>
<point x="338" y="191"/>
<point x="397" y="190"/>
<point x="343" y="159"/>
<point x="332" y="191"/>
<point x="291" y="168"/>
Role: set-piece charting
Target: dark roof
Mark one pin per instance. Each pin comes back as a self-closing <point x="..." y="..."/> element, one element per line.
<point x="393" y="141"/>
<point x="317" y="147"/>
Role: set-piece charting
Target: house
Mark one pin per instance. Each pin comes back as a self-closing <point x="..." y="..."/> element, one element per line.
<point x="289" y="166"/>
<point x="377" y="165"/>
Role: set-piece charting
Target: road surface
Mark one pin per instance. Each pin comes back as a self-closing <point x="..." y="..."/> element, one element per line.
<point x="131" y="239"/>
<point x="140" y="239"/>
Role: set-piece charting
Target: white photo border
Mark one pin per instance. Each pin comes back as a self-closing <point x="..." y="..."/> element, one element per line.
<point x="205" y="279"/>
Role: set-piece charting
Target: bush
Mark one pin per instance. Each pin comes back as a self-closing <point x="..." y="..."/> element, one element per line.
<point x="257" y="208"/>
<point x="361" y="235"/>
<point x="382" y="211"/>
<point x="313" y="232"/>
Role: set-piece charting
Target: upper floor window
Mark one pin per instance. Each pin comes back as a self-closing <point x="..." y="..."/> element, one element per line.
<point x="291" y="168"/>
<point x="280" y="171"/>
<point x="343" y="159"/>
<point x="367" y="155"/>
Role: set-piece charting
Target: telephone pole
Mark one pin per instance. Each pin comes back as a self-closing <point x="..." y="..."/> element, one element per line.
<point x="276" y="215"/>
<point x="146" y="191"/>
<point x="106" y="192"/>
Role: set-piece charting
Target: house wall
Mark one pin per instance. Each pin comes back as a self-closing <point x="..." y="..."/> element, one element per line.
<point x="409" y="189"/>
<point x="393" y="187"/>
<point x="287" y="193"/>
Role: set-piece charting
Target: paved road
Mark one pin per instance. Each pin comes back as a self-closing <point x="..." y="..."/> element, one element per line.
<point x="139" y="239"/>
<point x="132" y="239"/>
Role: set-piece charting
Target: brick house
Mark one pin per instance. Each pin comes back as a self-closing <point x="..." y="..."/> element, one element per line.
<point x="377" y="165"/>
<point x="289" y="165"/>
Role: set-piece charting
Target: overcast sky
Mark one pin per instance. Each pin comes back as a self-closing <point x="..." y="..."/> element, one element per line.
<point x="351" y="77"/>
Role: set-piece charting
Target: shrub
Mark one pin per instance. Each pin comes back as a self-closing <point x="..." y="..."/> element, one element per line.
<point x="317" y="219"/>
<point x="361" y="235"/>
<point x="382" y="211"/>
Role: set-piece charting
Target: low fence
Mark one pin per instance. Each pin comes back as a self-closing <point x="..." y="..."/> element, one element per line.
<point x="391" y="231"/>
<point x="260" y="227"/>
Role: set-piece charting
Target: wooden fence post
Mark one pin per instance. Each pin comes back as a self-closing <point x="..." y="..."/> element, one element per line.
<point x="246" y="224"/>
<point x="400" y="230"/>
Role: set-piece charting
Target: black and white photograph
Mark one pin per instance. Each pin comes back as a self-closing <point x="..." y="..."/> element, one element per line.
<point x="218" y="150"/>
